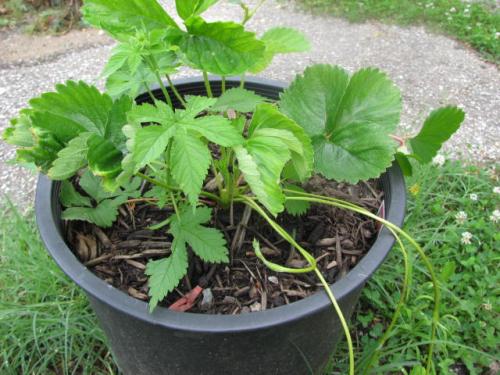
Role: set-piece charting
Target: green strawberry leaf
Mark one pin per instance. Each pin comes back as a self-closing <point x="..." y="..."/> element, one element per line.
<point x="159" y="113"/>
<point x="70" y="159"/>
<point x="105" y="211"/>
<point x="191" y="8"/>
<point x="121" y="18"/>
<point x="238" y="99"/>
<point x="216" y="129"/>
<point x="190" y="159"/>
<point x="92" y="185"/>
<point x="150" y="143"/>
<point x="19" y="134"/>
<point x="266" y="116"/>
<point x="437" y="129"/>
<point x="190" y="156"/>
<point x="261" y="160"/>
<point x="280" y="40"/>
<point x="103" y="157"/>
<point x="70" y="197"/>
<point x="165" y="274"/>
<point x="59" y="118"/>
<point x="103" y="215"/>
<point x="208" y="243"/>
<point x="129" y="68"/>
<point x="349" y="120"/>
<point x="195" y="104"/>
<point x="223" y="48"/>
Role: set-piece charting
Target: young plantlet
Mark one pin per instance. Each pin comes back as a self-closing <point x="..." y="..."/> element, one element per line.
<point x="255" y="152"/>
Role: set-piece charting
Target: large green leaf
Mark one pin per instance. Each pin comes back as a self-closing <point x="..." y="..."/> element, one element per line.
<point x="349" y="120"/>
<point x="119" y="17"/>
<point x="267" y="116"/>
<point x="190" y="8"/>
<point x="280" y="40"/>
<point x="223" y="48"/>
<point x="74" y="108"/>
<point x="57" y="118"/>
<point x="190" y="159"/>
<point x="437" y="129"/>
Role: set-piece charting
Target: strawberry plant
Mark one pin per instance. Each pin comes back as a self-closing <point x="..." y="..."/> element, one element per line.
<point x="257" y="152"/>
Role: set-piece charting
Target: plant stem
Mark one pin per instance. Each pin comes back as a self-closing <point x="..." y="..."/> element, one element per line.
<point x="176" y="93"/>
<point x="150" y="92"/>
<point x="349" y="206"/>
<point x="223" y="84"/>
<point x="154" y="67"/>
<point x="217" y="177"/>
<point x="341" y="317"/>
<point x="164" y="90"/>
<point x="207" y="84"/>
<point x="242" y="81"/>
<point x="397" y="312"/>
<point x="312" y="262"/>
<point x="312" y="267"/>
<point x="176" y="209"/>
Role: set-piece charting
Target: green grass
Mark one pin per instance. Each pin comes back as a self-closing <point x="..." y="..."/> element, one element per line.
<point x="477" y="23"/>
<point x="46" y="326"/>
<point x="469" y="331"/>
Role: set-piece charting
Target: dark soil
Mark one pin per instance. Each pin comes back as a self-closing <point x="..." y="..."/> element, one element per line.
<point x="338" y="239"/>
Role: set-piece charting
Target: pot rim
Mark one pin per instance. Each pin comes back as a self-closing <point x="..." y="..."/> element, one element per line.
<point x="49" y="226"/>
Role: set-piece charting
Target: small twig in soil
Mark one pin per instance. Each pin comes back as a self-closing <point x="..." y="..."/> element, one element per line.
<point x="240" y="234"/>
<point x="135" y="264"/>
<point x="96" y="261"/>
<point x="106" y="242"/>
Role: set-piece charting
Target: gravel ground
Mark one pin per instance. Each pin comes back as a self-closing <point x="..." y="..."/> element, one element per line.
<point x="431" y="70"/>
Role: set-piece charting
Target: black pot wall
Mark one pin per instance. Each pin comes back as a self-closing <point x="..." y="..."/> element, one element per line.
<point x="293" y="339"/>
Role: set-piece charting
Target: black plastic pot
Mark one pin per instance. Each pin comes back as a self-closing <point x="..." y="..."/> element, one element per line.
<point x="295" y="339"/>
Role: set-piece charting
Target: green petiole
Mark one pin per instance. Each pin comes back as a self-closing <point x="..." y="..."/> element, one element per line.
<point x="338" y="203"/>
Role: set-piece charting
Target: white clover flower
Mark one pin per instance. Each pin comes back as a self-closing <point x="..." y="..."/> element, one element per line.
<point x="473" y="197"/>
<point x="453" y="10"/>
<point x="495" y="217"/>
<point x="496" y="190"/>
<point x="438" y="160"/>
<point x="461" y="217"/>
<point x="466" y="238"/>
<point x="487" y="306"/>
